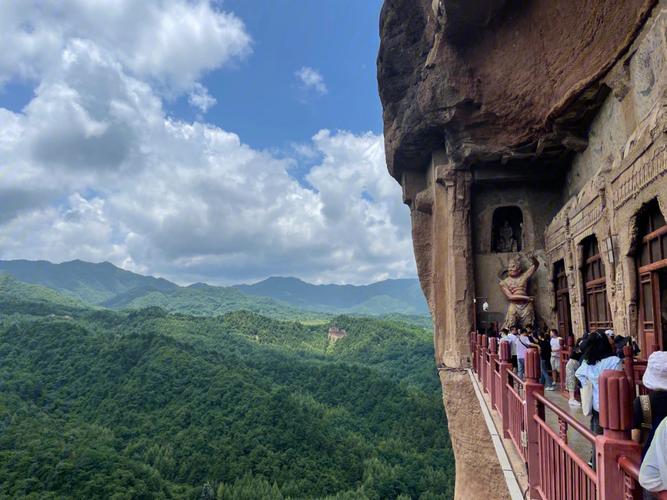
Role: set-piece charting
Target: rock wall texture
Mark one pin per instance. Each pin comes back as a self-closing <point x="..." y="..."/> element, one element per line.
<point x="555" y="107"/>
<point x="504" y="84"/>
<point x="457" y="393"/>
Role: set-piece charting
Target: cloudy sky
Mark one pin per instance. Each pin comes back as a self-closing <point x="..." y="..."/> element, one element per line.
<point x="199" y="140"/>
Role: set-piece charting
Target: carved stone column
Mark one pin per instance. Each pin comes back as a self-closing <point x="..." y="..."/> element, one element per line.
<point x="452" y="294"/>
<point x="453" y="283"/>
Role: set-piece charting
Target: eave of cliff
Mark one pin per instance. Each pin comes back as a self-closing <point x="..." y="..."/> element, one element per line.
<point x="495" y="81"/>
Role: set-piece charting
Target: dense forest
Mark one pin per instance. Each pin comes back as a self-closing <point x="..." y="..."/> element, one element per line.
<point x="96" y="403"/>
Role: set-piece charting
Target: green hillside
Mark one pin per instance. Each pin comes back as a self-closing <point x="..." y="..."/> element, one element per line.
<point x="17" y="297"/>
<point x="88" y="282"/>
<point x="205" y="300"/>
<point x="146" y="404"/>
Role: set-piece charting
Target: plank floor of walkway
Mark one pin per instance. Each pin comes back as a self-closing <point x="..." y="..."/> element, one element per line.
<point x="577" y="442"/>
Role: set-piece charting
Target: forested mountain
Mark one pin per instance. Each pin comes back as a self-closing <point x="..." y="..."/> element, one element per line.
<point x="91" y="283"/>
<point x="205" y="300"/>
<point x="109" y="286"/>
<point x="401" y="295"/>
<point x="19" y="297"/>
<point x="146" y="404"/>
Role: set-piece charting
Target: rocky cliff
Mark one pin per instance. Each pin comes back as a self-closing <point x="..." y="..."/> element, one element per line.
<point x="496" y="79"/>
<point x="486" y="91"/>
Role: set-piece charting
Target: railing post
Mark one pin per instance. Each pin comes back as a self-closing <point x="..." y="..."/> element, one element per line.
<point x="478" y="352"/>
<point x="505" y="368"/>
<point x="475" y="366"/>
<point x="493" y="355"/>
<point x="482" y="361"/>
<point x="532" y="387"/>
<point x="616" y="420"/>
<point x="629" y="368"/>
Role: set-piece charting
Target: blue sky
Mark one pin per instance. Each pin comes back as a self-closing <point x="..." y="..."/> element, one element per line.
<point x="260" y="99"/>
<point x="198" y="140"/>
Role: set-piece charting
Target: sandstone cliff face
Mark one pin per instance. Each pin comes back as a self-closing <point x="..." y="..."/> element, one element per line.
<point x="491" y="79"/>
<point x="474" y="91"/>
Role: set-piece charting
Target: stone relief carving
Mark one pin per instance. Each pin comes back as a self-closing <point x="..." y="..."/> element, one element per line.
<point x="587" y="216"/>
<point x="638" y="175"/>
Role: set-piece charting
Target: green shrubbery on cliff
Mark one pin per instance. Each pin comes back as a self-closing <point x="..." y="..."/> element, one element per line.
<point x="146" y="404"/>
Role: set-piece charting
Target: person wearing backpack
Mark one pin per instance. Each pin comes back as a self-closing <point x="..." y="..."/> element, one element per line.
<point x="649" y="410"/>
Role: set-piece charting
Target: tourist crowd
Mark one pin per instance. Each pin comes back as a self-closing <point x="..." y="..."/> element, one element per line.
<point x="592" y="354"/>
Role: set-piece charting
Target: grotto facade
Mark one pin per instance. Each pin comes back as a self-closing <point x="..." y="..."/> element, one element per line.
<point x="523" y="130"/>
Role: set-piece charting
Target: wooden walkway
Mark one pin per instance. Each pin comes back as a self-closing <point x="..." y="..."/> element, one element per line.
<point x="580" y="445"/>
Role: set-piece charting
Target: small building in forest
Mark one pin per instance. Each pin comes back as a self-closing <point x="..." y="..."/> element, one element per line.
<point x="336" y="333"/>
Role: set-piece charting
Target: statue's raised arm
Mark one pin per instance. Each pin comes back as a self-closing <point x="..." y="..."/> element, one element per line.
<point x="533" y="268"/>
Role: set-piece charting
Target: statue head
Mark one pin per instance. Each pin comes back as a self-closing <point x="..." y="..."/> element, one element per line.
<point x="514" y="267"/>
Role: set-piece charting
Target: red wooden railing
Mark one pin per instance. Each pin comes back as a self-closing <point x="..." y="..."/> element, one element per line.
<point x="516" y="413"/>
<point x="634" y="370"/>
<point x="563" y="473"/>
<point x="542" y="432"/>
<point x="497" y="394"/>
<point x="630" y="471"/>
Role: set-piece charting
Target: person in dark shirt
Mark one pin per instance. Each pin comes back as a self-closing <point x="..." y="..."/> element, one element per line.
<point x="620" y="342"/>
<point x="544" y="343"/>
<point x="649" y="411"/>
<point x="570" y="368"/>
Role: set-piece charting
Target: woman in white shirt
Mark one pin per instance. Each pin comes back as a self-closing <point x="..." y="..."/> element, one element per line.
<point x="597" y="357"/>
<point x="555" y="352"/>
<point x="653" y="472"/>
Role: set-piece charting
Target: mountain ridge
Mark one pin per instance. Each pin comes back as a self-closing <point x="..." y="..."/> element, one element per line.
<point x="406" y="292"/>
<point x="104" y="284"/>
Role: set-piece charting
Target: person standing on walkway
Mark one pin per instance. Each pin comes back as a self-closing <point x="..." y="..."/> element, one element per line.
<point x="545" y="361"/>
<point x="653" y="471"/>
<point x="570" y="368"/>
<point x="650" y="410"/>
<point x="503" y="337"/>
<point x="523" y="343"/>
<point x="513" y="335"/>
<point x="554" y="341"/>
<point x="597" y="357"/>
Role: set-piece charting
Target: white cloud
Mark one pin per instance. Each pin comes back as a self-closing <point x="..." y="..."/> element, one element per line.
<point x="170" y="42"/>
<point x="93" y="168"/>
<point x="312" y="79"/>
<point x="200" y="98"/>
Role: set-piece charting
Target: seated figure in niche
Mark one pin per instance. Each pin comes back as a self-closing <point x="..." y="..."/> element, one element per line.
<point x="506" y="240"/>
